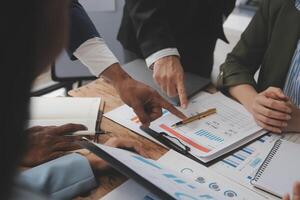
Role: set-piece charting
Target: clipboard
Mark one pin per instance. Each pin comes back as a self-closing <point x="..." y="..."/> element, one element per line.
<point x="184" y="150"/>
<point x="125" y="170"/>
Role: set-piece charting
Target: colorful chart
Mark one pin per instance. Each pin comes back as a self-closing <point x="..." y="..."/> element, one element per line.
<point x="185" y="139"/>
<point x="209" y="136"/>
<point x="239" y="157"/>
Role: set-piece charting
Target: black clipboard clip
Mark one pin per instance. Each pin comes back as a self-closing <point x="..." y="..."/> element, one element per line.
<point x="170" y="141"/>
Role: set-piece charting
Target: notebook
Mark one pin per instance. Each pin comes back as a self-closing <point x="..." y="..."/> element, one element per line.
<point x="57" y="111"/>
<point x="280" y="169"/>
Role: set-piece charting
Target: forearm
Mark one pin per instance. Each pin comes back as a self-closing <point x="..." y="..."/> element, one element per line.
<point x="245" y="94"/>
<point x="115" y="75"/>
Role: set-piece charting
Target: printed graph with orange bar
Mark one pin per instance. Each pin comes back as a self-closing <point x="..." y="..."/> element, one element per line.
<point x="184" y="138"/>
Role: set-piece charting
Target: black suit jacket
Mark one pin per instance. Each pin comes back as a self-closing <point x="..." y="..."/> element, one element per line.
<point x="192" y="26"/>
<point x="81" y="28"/>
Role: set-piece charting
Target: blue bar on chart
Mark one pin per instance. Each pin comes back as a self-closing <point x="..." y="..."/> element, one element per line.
<point x="239" y="157"/>
<point x="209" y="136"/>
<point x="265" y="138"/>
<point x="231" y="163"/>
<point x="249" y="150"/>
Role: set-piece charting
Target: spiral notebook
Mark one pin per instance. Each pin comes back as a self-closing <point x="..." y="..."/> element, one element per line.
<point x="280" y="169"/>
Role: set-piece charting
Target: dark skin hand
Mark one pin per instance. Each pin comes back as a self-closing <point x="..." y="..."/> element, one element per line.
<point x="50" y="142"/>
<point x="145" y="101"/>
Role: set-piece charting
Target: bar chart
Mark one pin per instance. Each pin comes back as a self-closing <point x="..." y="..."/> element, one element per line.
<point x="209" y="136"/>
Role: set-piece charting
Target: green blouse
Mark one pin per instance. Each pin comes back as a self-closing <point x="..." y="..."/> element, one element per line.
<point x="268" y="44"/>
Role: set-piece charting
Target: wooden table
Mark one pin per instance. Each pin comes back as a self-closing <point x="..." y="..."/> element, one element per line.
<point x="111" y="179"/>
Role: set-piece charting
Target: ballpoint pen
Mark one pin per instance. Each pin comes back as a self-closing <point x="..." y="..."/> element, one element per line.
<point x="196" y="117"/>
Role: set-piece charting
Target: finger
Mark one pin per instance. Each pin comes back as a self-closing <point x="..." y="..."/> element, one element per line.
<point x="296" y="191"/>
<point x="171" y="89"/>
<point x="270" y="121"/>
<point x="164" y="87"/>
<point x="135" y="145"/>
<point x="68" y="128"/>
<point x="127" y="144"/>
<point x="67" y="138"/>
<point x="182" y="94"/>
<point x="155" y="113"/>
<point x="271" y="113"/>
<point x="276" y="93"/>
<point x="164" y="104"/>
<point x="157" y="78"/>
<point x="268" y="127"/>
<point x="273" y="95"/>
<point x="275" y="105"/>
<point x="141" y="113"/>
<point x="286" y="197"/>
<point x="35" y="129"/>
<point x="66" y="146"/>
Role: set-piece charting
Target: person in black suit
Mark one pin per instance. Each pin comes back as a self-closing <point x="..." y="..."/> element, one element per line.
<point x="174" y="36"/>
<point x="86" y="44"/>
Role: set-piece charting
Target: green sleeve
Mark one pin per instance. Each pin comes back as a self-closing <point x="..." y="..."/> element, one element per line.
<point x="246" y="57"/>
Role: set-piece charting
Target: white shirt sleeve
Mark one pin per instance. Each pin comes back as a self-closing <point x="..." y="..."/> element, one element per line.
<point x="95" y="54"/>
<point x="160" y="54"/>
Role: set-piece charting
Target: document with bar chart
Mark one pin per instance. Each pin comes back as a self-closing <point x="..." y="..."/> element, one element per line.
<point x="212" y="136"/>
<point x="229" y="128"/>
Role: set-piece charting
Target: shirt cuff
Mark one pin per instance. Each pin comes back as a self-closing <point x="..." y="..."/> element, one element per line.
<point x="95" y="54"/>
<point x="160" y="54"/>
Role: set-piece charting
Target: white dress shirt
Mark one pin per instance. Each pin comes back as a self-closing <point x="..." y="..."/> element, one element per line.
<point x="160" y="54"/>
<point x="95" y="54"/>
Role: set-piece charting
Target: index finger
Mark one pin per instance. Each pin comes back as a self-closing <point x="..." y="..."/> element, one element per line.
<point x="171" y="108"/>
<point x="142" y="115"/>
<point x="67" y="128"/>
<point x="276" y="93"/>
<point x="181" y="93"/>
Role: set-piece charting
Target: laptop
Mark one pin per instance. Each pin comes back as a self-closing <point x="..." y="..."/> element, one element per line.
<point x="138" y="70"/>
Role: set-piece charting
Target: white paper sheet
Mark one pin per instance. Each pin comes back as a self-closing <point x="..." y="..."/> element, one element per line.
<point x="201" y="176"/>
<point x="167" y="180"/>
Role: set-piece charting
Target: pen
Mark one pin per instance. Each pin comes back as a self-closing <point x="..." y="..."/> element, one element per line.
<point x="196" y="117"/>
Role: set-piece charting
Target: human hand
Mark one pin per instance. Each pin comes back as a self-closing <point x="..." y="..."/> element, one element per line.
<point x="145" y="101"/>
<point x="271" y="109"/>
<point x="49" y="142"/>
<point x="98" y="164"/>
<point x="169" y="75"/>
<point x="296" y="193"/>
